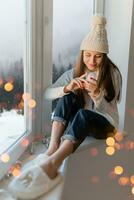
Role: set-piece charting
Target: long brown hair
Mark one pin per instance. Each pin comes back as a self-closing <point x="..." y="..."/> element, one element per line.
<point x="105" y="80"/>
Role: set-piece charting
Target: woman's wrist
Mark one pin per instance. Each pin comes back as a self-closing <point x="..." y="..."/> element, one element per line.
<point x="66" y="90"/>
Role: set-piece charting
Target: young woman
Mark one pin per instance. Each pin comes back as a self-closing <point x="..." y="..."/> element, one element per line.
<point x="87" y="106"/>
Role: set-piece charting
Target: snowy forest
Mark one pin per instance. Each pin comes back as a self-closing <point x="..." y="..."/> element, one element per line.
<point x="11" y="73"/>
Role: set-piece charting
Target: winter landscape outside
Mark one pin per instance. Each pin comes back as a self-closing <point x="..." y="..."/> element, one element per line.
<point x="70" y="25"/>
<point x="12" y="18"/>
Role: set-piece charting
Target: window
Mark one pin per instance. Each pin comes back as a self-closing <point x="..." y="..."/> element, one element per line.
<point x="12" y="81"/>
<point x="12" y="16"/>
<point x="69" y="27"/>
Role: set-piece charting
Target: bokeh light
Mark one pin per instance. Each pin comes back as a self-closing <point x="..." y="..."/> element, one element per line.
<point x="117" y="146"/>
<point x="132" y="179"/>
<point x="8" y="87"/>
<point x="118" y="170"/>
<point x="118" y="136"/>
<point x="129" y="145"/>
<point x="25" y="142"/>
<point x="26" y="96"/>
<point x="110" y="150"/>
<point x="32" y="103"/>
<point x="123" y="181"/>
<point x="21" y="105"/>
<point x="16" y="172"/>
<point x="1" y="81"/>
<point x="132" y="190"/>
<point x="5" y="158"/>
<point x="112" y="175"/>
<point x="94" y="151"/>
<point x="110" y="141"/>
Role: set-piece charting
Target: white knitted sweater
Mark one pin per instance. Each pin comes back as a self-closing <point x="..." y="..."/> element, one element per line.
<point x="101" y="106"/>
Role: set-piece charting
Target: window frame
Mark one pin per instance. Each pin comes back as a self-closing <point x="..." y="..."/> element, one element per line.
<point x="99" y="6"/>
<point x="15" y="150"/>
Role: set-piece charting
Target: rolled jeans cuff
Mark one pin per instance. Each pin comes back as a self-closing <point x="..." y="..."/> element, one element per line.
<point x="58" y="119"/>
<point x="69" y="137"/>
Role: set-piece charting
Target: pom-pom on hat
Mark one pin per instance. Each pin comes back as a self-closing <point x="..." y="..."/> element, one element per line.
<point x="96" y="39"/>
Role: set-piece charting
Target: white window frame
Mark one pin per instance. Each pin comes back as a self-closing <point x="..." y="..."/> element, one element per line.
<point x="38" y="71"/>
<point x="99" y="6"/>
<point x="16" y="149"/>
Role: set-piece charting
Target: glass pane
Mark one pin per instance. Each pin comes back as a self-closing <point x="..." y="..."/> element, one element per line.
<point x="12" y="17"/>
<point x="70" y="24"/>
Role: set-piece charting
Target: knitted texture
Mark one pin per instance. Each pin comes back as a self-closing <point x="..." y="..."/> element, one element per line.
<point x="96" y="39"/>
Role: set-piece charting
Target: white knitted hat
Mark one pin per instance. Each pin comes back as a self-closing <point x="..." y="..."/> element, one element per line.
<point x="96" y="39"/>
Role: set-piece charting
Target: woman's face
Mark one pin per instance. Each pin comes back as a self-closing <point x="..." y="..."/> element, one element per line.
<point x="92" y="59"/>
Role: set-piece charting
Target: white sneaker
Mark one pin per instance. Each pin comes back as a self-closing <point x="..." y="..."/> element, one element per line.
<point x="33" y="183"/>
<point x="5" y="195"/>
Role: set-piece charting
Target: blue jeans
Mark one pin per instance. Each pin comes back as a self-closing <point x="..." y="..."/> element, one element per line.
<point x="80" y="122"/>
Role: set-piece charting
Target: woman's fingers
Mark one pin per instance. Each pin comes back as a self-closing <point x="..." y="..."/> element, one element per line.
<point x="83" y="80"/>
<point x="83" y="75"/>
<point x="78" y="82"/>
<point x="90" y="86"/>
<point x="81" y="83"/>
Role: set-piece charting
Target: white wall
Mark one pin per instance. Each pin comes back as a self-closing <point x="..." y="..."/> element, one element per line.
<point x="129" y="114"/>
<point x="119" y="15"/>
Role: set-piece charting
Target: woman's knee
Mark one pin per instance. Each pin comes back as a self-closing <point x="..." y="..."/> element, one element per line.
<point x="84" y="114"/>
<point x="81" y="111"/>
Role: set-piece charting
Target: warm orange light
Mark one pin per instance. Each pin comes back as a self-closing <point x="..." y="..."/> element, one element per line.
<point x="16" y="172"/>
<point x="8" y="87"/>
<point x="25" y="142"/>
<point x="21" y="105"/>
<point x="1" y="81"/>
<point x="110" y="141"/>
<point x="124" y="180"/>
<point x="118" y="136"/>
<point x="5" y="158"/>
<point x="117" y="146"/>
<point x="32" y="103"/>
<point x="129" y="145"/>
<point x="132" y="190"/>
<point x="118" y="170"/>
<point x="132" y="179"/>
<point x="26" y="96"/>
<point x="110" y="150"/>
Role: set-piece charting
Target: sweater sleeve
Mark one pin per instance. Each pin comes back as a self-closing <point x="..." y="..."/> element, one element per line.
<point x="56" y="90"/>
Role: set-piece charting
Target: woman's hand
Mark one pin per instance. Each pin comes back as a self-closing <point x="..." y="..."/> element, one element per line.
<point x="91" y="88"/>
<point x="76" y="83"/>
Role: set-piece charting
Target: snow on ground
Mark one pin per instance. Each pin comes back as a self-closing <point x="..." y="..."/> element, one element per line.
<point x="11" y="126"/>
